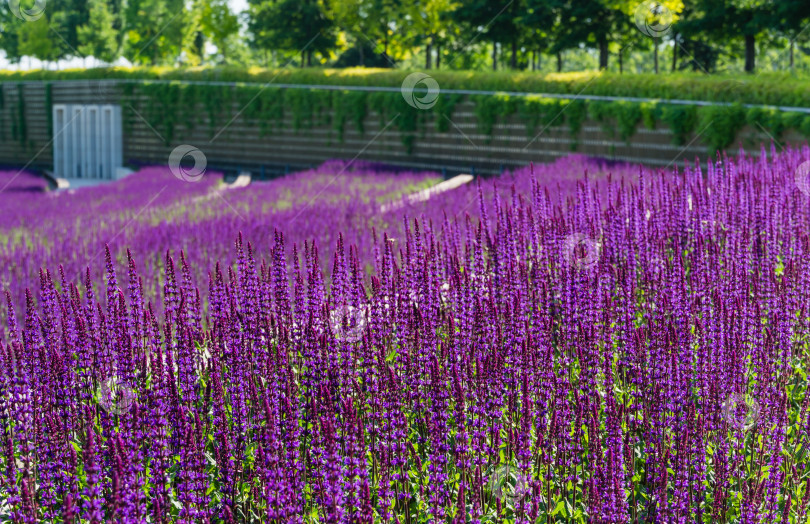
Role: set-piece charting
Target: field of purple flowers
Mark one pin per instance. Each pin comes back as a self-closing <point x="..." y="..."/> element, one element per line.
<point x="151" y="212"/>
<point x="623" y="346"/>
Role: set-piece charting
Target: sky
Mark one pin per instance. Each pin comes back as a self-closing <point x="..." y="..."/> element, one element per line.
<point x="237" y="6"/>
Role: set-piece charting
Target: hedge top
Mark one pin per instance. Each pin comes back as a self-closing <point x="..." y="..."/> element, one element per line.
<point x="778" y="89"/>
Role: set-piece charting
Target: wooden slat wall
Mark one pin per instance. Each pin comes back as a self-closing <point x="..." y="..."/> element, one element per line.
<point x="461" y="148"/>
<point x="33" y="150"/>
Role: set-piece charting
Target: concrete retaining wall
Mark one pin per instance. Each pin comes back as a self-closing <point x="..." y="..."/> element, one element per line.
<point x="462" y="148"/>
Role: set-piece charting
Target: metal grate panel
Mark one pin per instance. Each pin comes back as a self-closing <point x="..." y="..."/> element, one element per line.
<point x="87" y="141"/>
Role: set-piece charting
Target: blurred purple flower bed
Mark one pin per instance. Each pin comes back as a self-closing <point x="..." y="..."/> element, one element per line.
<point x="151" y="212"/>
<point x="579" y="342"/>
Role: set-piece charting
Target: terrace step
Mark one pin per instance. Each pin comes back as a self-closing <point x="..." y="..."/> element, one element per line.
<point x="425" y="194"/>
<point x="242" y="180"/>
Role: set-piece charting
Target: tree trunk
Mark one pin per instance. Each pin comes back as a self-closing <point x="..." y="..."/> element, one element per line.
<point x="302" y="59"/>
<point x="309" y="57"/>
<point x="603" y="53"/>
<point x="674" y="54"/>
<point x="559" y="62"/>
<point x="385" y="45"/>
<point x="655" y="54"/>
<point x="534" y="60"/>
<point x="621" y="60"/>
<point x="750" y="53"/>
<point x="513" y="61"/>
<point x="494" y="56"/>
<point x="428" y="51"/>
<point x="438" y="56"/>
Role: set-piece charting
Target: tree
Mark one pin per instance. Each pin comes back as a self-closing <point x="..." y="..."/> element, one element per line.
<point x="654" y="18"/>
<point x="65" y="17"/>
<point x="540" y="21"/>
<point x="97" y="37"/>
<point x="219" y="24"/>
<point x="702" y="50"/>
<point x="154" y="30"/>
<point x="726" y="20"/>
<point x="750" y="18"/>
<point x="789" y="19"/>
<point x="368" y="22"/>
<point x="496" y="21"/>
<point x="430" y="20"/>
<point x="9" y="35"/>
<point x="299" y="26"/>
<point x="36" y="41"/>
<point x="575" y="26"/>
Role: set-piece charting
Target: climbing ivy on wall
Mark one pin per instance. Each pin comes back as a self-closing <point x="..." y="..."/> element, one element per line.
<point x="444" y="108"/>
<point x="49" y="106"/>
<point x="349" y="105"/>
<point x="577" y="111"/>
<point x="172" y="106"/>
<point x="166" y="106"/>
<point x="2" y="112"/>
<point x="539" y="112"/>
<point x="625" y="115"/>
<point x="19" y="125"/>
<point x="265" y="106"/>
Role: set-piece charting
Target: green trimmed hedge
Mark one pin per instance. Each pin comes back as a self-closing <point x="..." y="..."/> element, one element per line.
<point x="172" y="106"/>
<point x="782" y="89"/>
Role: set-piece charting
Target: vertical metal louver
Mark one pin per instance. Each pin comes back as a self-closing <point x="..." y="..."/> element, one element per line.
<point x="87" y="142"/>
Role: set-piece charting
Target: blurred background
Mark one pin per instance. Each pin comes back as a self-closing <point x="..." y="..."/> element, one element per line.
<point x="709" y="36"/>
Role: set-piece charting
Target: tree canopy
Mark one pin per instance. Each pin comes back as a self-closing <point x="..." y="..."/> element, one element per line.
<point x="701" y="35"/>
